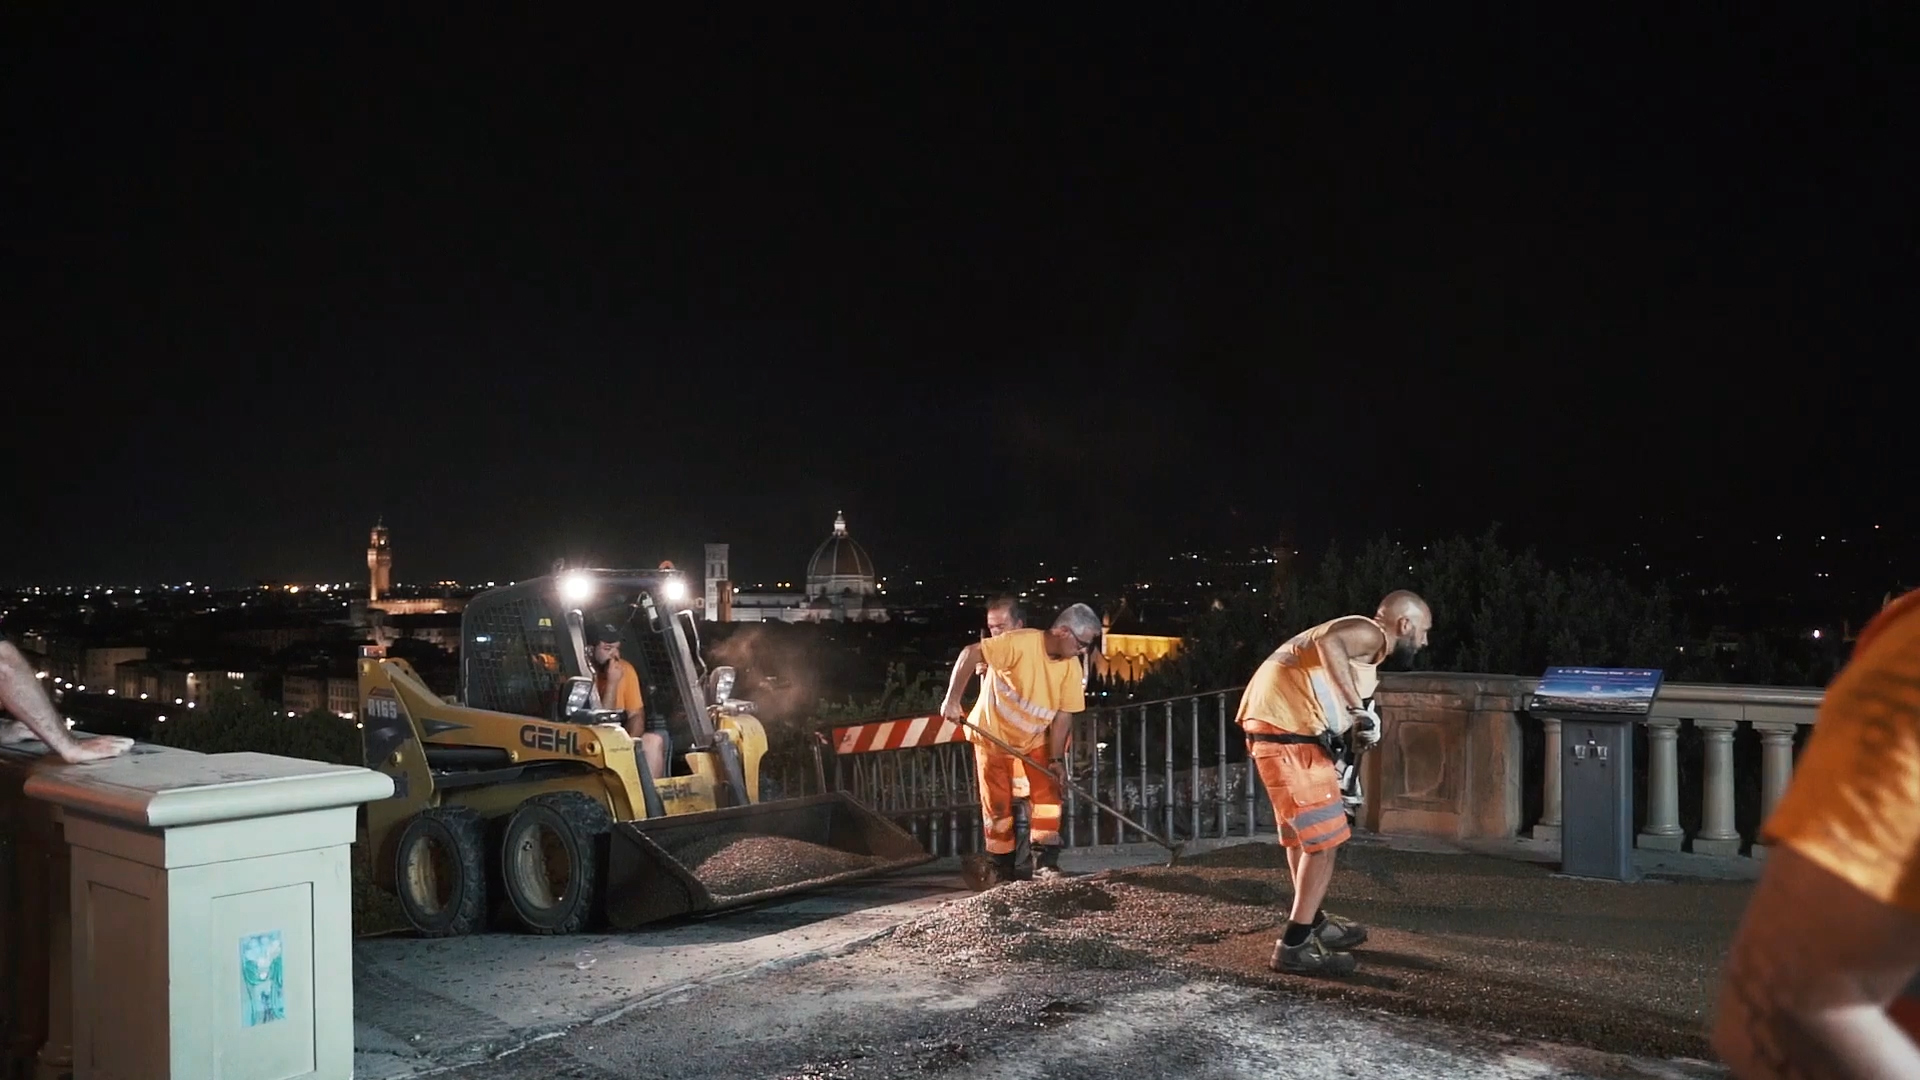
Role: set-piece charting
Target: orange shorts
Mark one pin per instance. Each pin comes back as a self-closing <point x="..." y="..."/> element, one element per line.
<point x="1304" y="788"/>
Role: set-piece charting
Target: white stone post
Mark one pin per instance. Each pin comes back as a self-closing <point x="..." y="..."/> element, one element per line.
<point x="212" y="921"/>
<point x="1776" y="769"/>
<point x="1717" y="833"/>
<point x="1549" y="826"/>
<point x="1663" y="786"/>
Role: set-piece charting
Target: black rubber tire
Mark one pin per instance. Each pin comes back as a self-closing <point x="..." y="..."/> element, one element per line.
<point x="460" y="833"/>
<point x="577" y="827"/>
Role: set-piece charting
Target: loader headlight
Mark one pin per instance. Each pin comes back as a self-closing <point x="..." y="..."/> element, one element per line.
<point x="674" y="590"/>
<point x="723" y="680"/>
<point x="579" y="694"/>
<point x="576" y="588"/>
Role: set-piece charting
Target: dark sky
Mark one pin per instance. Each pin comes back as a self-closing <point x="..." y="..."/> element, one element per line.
<point x="999" y="288"/>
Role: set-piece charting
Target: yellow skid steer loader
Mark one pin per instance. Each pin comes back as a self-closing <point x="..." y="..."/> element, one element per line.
<point x="528" y="796"/>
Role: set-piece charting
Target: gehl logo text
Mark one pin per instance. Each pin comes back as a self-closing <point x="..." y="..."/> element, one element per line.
<point x="541" y="737"/>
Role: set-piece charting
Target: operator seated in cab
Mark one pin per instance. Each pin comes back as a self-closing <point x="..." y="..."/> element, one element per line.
<point x="617" y="686"/>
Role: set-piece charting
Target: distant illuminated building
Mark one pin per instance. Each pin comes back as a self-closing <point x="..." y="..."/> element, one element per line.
<point x="372" y="611"/>
<point x="379" y="562"/>
<point x="1128" y="657"/>
<point x="840" y="586"/>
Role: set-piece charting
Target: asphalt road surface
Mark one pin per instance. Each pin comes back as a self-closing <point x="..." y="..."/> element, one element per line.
<point x="876" y="1013"/>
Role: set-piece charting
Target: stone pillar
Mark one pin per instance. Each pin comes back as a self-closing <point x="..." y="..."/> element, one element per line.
<point x="1663" y="786"/>
<point x="55" y="1060"/>
<point x="231" y="873"/>
<point x="1776" y="769"/>
<point x="1717" y="833"/>
<point x="1550" y="798"/>
<point x="1449" y="760"/>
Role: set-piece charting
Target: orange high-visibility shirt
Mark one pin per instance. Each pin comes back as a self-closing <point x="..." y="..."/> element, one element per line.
<point x="1292" y="693"/>
<point x="1853" y="805"/>
<point x="627" y="697"/>
<point x="1024" y="687"/>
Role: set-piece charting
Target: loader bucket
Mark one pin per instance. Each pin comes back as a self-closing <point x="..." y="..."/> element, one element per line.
<point x="689" y="864"/>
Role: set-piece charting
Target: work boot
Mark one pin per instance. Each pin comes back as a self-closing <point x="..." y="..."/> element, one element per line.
<point x="1310" y="957"/>
<point x="1046" y="862"/>
<point x="1004" y="869"/>
<point x="1340" y="934"/>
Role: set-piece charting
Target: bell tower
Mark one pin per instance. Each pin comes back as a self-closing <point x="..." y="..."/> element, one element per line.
<point x="379" y="561"/>
<point x="719" y="585"/>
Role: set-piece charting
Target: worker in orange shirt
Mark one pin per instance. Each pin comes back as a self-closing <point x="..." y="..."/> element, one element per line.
<point x="1033" y="686"/>
<point x="1005" y="613"/>
<point x="617" y="686"/>
<point x="1823" y="977"/>
<point x="1314" y="688"/>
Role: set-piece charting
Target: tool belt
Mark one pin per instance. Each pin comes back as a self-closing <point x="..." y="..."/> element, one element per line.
<point x="1326" y="741"/>
<point x="1284" y="738"/>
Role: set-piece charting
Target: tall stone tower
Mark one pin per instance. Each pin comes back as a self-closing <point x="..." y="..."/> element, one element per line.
<point x="719" y="585"/>
<point x="379" y="561"/>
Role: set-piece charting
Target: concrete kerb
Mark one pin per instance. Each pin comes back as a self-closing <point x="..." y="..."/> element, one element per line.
<point x="1653" y="864"/>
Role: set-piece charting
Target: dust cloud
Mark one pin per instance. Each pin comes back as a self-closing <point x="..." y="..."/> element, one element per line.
<point x="776" y="672"/>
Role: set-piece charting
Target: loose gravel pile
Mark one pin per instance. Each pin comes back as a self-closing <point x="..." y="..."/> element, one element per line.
<point x="1114" y="920"/>
<point x="735" y="865"/>
<point x="1490" y="943"/>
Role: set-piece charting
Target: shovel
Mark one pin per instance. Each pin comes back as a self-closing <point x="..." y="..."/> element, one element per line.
<point x="975" y="868"/>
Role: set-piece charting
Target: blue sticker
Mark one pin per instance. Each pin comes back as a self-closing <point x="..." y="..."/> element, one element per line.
<point x="263" y="979"/>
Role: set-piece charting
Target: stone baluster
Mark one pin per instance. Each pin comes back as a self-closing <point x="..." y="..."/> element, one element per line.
<point x="1717" y="833"/>
<point x="1663" y="786"/>
<point x="1549" y="826"/>
<point x="1776" y="769"/>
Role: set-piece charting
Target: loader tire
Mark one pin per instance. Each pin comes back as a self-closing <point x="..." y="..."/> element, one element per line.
<point x="551" y="861"/>
<point x="440" y="871"/>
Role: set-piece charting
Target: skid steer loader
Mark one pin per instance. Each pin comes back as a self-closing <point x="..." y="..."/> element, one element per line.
<point x="525" y="802"/>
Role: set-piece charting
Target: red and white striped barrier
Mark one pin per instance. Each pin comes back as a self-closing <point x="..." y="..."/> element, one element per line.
<point x="898" y="734"/>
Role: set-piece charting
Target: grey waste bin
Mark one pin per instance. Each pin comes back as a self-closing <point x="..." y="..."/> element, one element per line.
<point x="1598" y="709"/>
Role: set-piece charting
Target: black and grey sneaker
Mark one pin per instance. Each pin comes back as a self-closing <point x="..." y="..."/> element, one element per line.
<point x="1310" y="957"/>
<point x="1340" y="934"/>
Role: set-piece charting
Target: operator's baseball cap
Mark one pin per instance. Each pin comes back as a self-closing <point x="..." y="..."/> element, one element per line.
<point x="603" y="632"/>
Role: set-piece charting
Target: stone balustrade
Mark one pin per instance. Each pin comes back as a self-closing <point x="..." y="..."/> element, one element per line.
<point x="1451" y="762"/>
<point x="1460" y="759"/>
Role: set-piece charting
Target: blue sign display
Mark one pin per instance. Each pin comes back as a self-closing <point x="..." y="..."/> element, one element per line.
<point x="1616" y="691"/>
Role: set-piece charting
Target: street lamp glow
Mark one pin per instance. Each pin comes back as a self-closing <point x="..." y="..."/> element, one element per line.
<point x="675" y="590"/>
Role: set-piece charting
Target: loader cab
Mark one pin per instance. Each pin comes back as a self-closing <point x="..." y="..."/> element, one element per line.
<point x="523" y="648"/>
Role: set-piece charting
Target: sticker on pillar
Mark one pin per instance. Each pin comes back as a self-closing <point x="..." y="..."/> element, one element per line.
<point x="263" y="979"/>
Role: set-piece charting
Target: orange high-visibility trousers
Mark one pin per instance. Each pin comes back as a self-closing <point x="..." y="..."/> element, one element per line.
<point x="995" y="769"/>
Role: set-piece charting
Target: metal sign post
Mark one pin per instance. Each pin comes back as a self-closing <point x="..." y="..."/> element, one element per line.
<point x="1597" y="709"/>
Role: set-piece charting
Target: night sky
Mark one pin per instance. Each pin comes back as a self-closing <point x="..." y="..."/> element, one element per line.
<point x="1000" y="289"/>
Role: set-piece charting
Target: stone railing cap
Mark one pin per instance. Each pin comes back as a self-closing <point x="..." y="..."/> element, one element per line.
<point x="162" y="790"/>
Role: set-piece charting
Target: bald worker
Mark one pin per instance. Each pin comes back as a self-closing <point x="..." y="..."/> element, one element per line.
<point x="1312" y="690"/>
